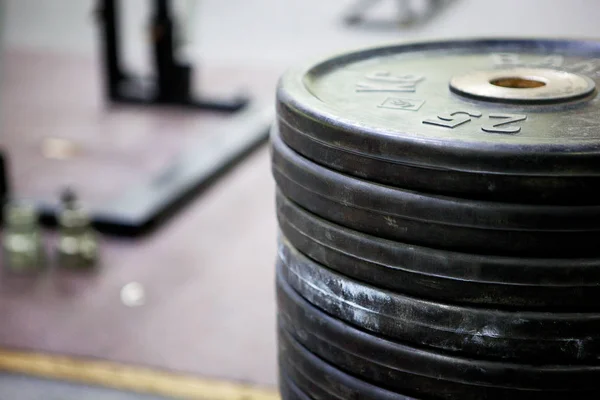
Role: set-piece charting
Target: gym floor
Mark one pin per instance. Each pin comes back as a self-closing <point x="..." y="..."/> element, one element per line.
<point x="209" y="311"/>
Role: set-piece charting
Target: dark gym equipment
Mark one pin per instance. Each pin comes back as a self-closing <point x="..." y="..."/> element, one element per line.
<point x="172" y="84"/>
<point x="532" y="336"/>
<point x="439" y="222"/>
<point x="436" y="209"/>
<point x="143" y="207"/>
<point x="322" y="381"/>
<point x="523" y="283"/>
<point x="4" y="187"/>
<point x="435" y="221"/>
<point x="374" y="114"/>
<point x="418" y="372"/>
<point x="290" y="390"/>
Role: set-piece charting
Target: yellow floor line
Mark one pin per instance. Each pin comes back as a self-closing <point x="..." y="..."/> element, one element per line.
<point x="126" y="377"/>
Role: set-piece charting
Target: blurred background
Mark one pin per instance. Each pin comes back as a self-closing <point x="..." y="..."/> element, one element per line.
<point x="281" y="33"/>
<point x="179" y="286"/>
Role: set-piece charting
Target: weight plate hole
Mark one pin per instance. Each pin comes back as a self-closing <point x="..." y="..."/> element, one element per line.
<point x="515" y="82"/>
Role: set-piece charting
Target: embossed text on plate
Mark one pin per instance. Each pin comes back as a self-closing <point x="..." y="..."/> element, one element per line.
<point x="499" y="127"/>
<point x="456" y="118"/>
<point x="453" y="119"/>
<point x="385" y="81"/>
<point x="396" y="103"/>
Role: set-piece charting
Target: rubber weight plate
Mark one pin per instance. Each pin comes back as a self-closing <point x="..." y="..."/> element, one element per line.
<point x="418" y="372"/>
<point x="519" y="335"/>
<point x="442" y="275"/>
<point x="289" y="390"/>
<point x="514" y="120"/>
<point x="322" y="381"/>
<point x="436" y="221"/>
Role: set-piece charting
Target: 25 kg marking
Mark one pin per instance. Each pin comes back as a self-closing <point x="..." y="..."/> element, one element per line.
<point x="456" y="118"/>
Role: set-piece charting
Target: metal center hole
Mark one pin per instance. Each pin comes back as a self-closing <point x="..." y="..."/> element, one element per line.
<point x="516" y="82"/>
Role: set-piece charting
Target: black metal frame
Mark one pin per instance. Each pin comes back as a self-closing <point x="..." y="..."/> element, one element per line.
<point x="4" y="184"/>
<point x="172" y="84"/>
<point x="142" y="208"/>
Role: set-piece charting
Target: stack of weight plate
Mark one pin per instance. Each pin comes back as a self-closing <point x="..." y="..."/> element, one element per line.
<point x="439" y="213"/>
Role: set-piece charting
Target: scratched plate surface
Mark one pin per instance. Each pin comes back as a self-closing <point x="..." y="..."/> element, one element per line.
<point x="521" y="336"/>
<point x="387" y="114"/>
<point x="458" y="278"/>
<point x="319" y="351"/>
<point x="442" y="222"/>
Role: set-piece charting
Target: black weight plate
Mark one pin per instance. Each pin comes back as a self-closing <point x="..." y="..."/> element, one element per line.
<point x="305" y="381"/>
<point x="418" y="372"/>
<point x="432" y="209"/>
<point x="463" y="225"/>
<point x="322" y="381"/>
<point x="443" y="275"/>
<point x="289" y="390"/>
<point x="537" y="337"/>
<point x="358" y="111"/>
<point x="532" y="189"/>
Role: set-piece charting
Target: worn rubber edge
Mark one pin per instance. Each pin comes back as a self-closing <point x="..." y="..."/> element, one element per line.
<point x="369" y="356"/>
<point x="479" y="332"/>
